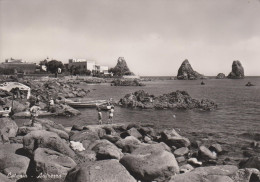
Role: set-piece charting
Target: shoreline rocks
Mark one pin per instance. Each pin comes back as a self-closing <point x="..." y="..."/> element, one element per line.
<point x="116" y="152"/>
<point x="186" y="72"/>
<point x="126" y="82"/>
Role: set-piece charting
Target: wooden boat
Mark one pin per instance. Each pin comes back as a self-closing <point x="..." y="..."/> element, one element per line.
<point x="86" y="104"/>
<point x="105" y="107"/>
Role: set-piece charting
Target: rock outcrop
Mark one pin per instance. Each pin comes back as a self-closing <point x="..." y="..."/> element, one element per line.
<point x="221" y="76"/>
<point x="186" y="72"/>
<point x="178" y="99"/>
<point x="121" y="68"/>
<point x="237" y="71"/>
<point x="126" y="82"/>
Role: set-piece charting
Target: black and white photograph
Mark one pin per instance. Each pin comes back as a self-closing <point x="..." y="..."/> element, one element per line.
<point x="129" y="90"/>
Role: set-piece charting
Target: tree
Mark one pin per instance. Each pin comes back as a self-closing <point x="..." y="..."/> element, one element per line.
<point x="53" y="66"/>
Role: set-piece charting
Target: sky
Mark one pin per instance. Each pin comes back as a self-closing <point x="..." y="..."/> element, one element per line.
<point x="154" y="36"/>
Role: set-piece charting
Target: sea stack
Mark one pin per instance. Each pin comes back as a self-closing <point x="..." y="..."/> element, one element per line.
<point x="237" y="71"/>
<point x="186" y="72"/>
<point x="121" y="68"/>
<point x="221" y="76"/>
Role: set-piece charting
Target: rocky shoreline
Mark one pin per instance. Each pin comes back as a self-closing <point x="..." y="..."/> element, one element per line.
<point x="115" y="152"/>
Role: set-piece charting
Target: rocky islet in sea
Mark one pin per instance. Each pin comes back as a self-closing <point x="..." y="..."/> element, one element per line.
<point x="186" y="72"/>
<point x="237" y="71"/>
<point x="173" y="100"/>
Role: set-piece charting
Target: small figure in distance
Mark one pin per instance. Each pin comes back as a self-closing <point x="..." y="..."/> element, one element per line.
<point x="111" y="115"/>
<point x="51" y="105"/>
<point x="99" y="116"/>
<point x="109" y="102"/>
<point x="202" y="83"/>
<point x="34" y="110"/>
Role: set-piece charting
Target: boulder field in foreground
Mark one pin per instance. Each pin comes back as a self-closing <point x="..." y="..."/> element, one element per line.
<point x="116" y="152"/>
<point x="178" y="100"/>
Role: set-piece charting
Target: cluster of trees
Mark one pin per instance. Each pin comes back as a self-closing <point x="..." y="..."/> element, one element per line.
<point x="77" y="70"/>
<point x="53" y="66"/>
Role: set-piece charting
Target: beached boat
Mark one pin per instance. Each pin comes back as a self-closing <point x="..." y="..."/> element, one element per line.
<point x="86" y="104"/>
<point x="105" y="107"/>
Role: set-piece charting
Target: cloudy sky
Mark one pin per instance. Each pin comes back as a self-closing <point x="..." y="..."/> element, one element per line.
<point x="154" y="36"/>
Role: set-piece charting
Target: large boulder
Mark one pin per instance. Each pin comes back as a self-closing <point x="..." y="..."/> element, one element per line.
<point x="80" y="136"/>
<point x="46" y="139"/>
<point x="252" y="162"/>
<point x="206" y="154"/>
<point x="172" y="138"/>
<point x="8" y="127"/>
<point x="151" y="163"/>
<point x="132" y="132"/>
<point x="207" y="174"/>
<point x="128" y="144"/>
<point x="186" y="72"/>
<point x="100" y="171"/>
<point x="11" y="162"/>
<point x="181" y="151"/>
<point x="246" y="175"/>
<point x="4" y="178"/>
<point x="221" y="76"/>
<point x="237" y="71"/>
<point x="51" y="162"/>
<point x="106" y="150"/>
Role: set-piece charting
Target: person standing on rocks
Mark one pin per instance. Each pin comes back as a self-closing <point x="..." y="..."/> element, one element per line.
<point x="99" y="116"/>
<point x="34" y="110"/>
<point x="111" y="115"/>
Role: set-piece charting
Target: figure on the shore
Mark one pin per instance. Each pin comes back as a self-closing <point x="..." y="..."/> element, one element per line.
<point x="109" y="102"/>
<point x="111" y="115"/>
<point x="202" y="83"/>
<point x="51" y="105"/>
<point x="7" y="111"/>
<point x="99" y="116"/>
<point x="34" y="110"/>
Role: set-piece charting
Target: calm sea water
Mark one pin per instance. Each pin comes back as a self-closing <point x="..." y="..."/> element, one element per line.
<point x="236" y="122"/>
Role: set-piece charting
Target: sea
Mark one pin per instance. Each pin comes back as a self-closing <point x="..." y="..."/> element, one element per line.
<point x="234" y="125"/>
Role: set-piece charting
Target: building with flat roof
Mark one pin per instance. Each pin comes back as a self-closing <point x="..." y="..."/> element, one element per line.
<point x="82" y="64"/>
<point x="19" y="65"/>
